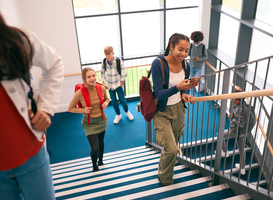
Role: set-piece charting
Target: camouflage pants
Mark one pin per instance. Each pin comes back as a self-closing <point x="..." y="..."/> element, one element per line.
<point x="169" y="126"/>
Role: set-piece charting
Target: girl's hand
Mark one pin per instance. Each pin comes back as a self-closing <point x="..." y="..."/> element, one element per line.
<point x="87" y="110"/>
<point x="41" y="121"/>
<point x="104" y="105"/>
<point x="186" y="84"/>
<point x="186" y="97"/>
<point x="228" y="115"/>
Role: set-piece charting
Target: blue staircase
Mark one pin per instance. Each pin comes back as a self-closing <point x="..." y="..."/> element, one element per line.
<point x="132" y="174"/>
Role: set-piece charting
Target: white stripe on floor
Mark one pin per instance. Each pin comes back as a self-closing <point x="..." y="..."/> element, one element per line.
<point x="122" y="180"/>
<point x="109" y="160"/>
<point x="112" y="165"/>
<point x="133" y="186"/>
<point x="105" y="158"/>
<point x="164" y="189"/>
<point x="136" y="164"/>
<point x="106" y="154"/>
<point x="199" y="192"/>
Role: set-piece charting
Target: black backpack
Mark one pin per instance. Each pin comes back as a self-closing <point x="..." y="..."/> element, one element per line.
<point x="118" y="65"/>
<point x="248" y="117"/>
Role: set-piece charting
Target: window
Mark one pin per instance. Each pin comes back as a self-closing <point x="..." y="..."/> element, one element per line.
<point x="264" y="11"/>
<point x="182" y="21"/>
<point x="234" y="4"/>
<point x="93" y="36"/>
<point x="132" y="5"/>
<point x="228" y="35"/>
<point x="141" y="33"/>
<point x="94" y="7"/>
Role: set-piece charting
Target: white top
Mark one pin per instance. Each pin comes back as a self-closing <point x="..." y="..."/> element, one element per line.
<point x="174" y="79"/>
<point x="48" y="59"/>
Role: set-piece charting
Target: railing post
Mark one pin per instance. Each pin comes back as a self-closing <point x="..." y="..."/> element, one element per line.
<point x="221" y="126"/>
<point x="149" y="131"/>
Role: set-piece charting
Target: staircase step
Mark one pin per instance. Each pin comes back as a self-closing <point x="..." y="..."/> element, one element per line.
<point x="240" y="197"/>
<point x="209" y="158"/>
<point x="157" y="192"/>
<point x="206" y="193"/>
<point x="235" y="170"/>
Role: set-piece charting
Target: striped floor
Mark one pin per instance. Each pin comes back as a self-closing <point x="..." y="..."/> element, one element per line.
<point x="131" y="174"/>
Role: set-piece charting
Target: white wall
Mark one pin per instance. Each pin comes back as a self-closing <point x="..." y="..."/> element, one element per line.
<point x="53" y="22"/>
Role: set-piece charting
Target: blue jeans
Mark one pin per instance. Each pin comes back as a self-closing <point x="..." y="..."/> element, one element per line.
<point x="195" y="72"/>
<point x="121" y="97"/>
<point x="31" y="181"/>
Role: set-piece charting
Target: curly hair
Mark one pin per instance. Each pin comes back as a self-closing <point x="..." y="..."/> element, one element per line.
<point x="197" y="36"/>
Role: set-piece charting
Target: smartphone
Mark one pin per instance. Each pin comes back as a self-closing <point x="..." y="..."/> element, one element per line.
<point x="195" y="79"/>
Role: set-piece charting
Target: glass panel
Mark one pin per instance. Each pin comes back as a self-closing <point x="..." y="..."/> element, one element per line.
<point x="264" y="11"/>
<point x="133" y="5"/>
<point x="181" y="3"/>
<point x="228" y="36"/>
<point x="234" y="4"/>
<point x="141" y="33"/>
<point x="178" y="21"/>
<point x="261" y="46"/>
<point x="94" y="7"/>
<point x="93" y="36"/>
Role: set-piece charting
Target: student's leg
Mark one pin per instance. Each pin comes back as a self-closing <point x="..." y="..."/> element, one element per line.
<point x="33" y="179"/>
<point x="114" y="101"/>
<point x="241" y="147"/>
<point x="93" y="141"/>
<point x="231" y="135"/>
<point x="165" y="138"/>
<point x="122" y="99"/>
<point x="101" y="146"/>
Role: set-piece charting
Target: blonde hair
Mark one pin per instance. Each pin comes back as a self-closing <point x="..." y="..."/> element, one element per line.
<point x="108" y="49"/>
<point x="85" y="70"/>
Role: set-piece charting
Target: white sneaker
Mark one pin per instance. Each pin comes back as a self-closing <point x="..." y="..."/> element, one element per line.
<point x="223" y="154"/>
<point x="117" y="119"/>
<point x="243" y="171"/>
<point x="129" y="115"/>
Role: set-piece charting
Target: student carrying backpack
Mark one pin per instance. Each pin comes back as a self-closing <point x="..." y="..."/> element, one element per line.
<point x="86" y="96"/>
<point x="249" y="116"/>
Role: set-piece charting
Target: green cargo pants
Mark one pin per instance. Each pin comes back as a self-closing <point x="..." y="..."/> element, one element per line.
<point x="169" y="126"/>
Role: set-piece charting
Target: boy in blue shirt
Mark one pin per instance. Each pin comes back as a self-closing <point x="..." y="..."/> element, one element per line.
<point x="116" y="75"/>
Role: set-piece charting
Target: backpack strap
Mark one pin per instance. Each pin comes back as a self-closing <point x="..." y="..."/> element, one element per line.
<point x="190" y="50"/>
<point x="118" y="65"/>
<point x="104" y="64"/>
<point x="86" y="97"/>
<point x="163" y="73"/>
<point x="99" y="91"/>
<point x="203" y="49"/>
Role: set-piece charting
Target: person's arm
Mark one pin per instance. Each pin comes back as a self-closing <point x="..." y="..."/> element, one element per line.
<point x="106" y="99"/>
<point x="160" y="93"/>
<point x="72" y="105"/>
<point x="50" y="62"/>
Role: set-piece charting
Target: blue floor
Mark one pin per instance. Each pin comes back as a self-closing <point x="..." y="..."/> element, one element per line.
<point x="67" y="140"/>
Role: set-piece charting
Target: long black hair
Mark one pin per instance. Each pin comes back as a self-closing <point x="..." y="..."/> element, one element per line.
<point x="15" y="59"/>
<point x="174" y="39"/>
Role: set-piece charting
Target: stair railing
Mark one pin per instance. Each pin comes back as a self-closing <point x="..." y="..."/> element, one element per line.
<point x="205" y="127"/>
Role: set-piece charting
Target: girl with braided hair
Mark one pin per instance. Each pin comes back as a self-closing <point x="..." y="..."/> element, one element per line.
<point x="172" y="95"/>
